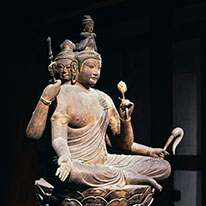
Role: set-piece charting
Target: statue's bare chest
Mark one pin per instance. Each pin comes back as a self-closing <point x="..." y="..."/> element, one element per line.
<point x="84" y="109"/>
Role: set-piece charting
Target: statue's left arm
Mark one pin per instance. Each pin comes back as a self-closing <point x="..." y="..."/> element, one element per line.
<point x="123" y="128"/>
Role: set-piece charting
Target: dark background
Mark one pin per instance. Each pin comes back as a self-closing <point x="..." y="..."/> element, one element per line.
<point x="138" y="43"/>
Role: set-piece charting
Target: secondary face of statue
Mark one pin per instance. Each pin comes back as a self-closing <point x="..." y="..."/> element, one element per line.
<point x="63" y="67"/>
<point x="89" y="27"/>
<point x="90" y="72"/>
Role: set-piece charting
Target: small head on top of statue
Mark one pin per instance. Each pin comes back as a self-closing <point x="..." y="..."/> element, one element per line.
<point x="88" y="36"/>
<point x="88" y="24"/>
<point x="88" y="59"/>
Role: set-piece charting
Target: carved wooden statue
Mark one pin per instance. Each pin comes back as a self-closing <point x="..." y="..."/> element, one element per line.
<point x="87" y="35"/>
<point x="82" y="117"/>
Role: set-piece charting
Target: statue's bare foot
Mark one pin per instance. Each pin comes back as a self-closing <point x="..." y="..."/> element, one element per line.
<point x="137" y="179"/>
<point x="155" y="184"/>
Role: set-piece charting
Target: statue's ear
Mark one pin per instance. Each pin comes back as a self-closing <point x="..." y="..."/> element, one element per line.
<point x="74" y="71"/>
<point x="53" y="67"/>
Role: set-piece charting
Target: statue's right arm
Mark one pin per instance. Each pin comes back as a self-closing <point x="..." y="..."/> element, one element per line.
<point x="37" y="122"/>
<point x="59" y="122"/>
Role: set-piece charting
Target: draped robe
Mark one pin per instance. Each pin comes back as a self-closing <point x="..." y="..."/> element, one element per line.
<point x="93" y="166"/>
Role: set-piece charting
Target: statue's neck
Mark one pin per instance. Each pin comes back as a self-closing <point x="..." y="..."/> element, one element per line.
<point x="86" y="89"/>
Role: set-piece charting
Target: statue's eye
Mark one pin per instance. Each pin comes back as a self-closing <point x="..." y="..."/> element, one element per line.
<point x="67" y="66"/>
<point x="90" y="65"/>
<point x="60" y="66"/>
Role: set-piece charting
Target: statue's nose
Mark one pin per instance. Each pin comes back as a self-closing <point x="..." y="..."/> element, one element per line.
<point x="95" y="74"/>
<point x="64" y="70"/>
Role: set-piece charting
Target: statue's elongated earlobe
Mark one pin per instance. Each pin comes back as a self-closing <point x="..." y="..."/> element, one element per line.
<point x="74" y="71"/>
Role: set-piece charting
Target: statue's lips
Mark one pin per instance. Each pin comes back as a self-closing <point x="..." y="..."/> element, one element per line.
<point x="94" y="78"/>
<point x="65" y="76"/>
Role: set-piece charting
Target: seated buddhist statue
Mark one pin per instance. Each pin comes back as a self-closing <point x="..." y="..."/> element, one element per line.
<point x="79" y="125"/>
<point x="82" y="119"/>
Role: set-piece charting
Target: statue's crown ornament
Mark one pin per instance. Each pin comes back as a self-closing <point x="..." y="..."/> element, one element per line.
<point x="87" y="48"/>
<point x="66" y="50"/>
<point x="83" y="50"/>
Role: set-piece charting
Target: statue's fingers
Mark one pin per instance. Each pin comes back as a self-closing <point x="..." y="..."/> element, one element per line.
<point x="162" y="155"/>
<point x="131" y="109"/>
<point x="65" y="175"/>
<point x="64" y="171"/>
<point x="63" y="178"/>
<point x="129" y="104"/>
<point x="132" y="105"/>
<point x="58" y="171"/>
<point x="125" y="102"/>
<point x="154" y="155"/>
<point x="61" y="175"/>
<point x="165" y="152"/>
<point x="55" y="86"/>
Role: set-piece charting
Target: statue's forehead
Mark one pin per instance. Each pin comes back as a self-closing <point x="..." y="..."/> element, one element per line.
<point x="95" y="61"/>
<point x="64" y="60"/>
<point x="92" y="60"/>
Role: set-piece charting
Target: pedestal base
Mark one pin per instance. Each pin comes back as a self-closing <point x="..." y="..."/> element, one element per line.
<point x="137" y="195"/>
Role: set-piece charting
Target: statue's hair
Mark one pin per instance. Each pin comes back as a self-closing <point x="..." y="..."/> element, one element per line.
<point x="67" y="42"/>
<point x="66" y="50"/>
<point x="87" y="20"/>
<point x="86" y="54"/>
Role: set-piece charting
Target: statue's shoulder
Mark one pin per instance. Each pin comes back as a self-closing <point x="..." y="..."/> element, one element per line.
<point x="101" y="93"/>
<point x="70" y="91"/>
<point x="105" y="96"/>
<point x="65" y="91"/>
<point x="68" y="88"/>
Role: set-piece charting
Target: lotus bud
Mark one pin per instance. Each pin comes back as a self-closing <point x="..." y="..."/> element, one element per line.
<point x="122" y="87"/>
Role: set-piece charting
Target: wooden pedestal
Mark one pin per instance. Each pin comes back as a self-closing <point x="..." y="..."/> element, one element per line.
<point x="139" y="195"/>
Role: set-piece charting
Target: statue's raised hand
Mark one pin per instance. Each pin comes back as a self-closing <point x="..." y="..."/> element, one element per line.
<point x="126" y="108"/>
<point x="158" y="152"/>
<point x="64" y="168"/>
<point x="51" y="91"/>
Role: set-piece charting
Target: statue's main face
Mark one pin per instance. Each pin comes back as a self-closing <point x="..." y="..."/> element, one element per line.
<point x="64" y="69"/>
<point x="90" y="72"/>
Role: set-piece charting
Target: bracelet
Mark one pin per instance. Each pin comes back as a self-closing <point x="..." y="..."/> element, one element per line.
<point x="46" y="102"/>
<point x="149" y="150"/>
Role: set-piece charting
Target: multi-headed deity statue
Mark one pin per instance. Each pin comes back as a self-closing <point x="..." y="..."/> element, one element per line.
<point x="81" y="120"/>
